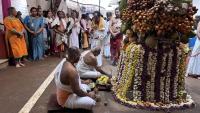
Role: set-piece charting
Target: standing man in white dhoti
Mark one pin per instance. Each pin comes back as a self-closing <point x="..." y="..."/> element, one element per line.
<point x="194" y="61"/>
<point x="106" y="47"/>
<point x="75" y="30"/>
<point x="98" y="28"/>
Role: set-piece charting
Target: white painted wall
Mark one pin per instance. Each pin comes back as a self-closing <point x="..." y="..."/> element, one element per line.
<point x="1" y="16"/>
<point x="1" y="12"/>
<point x="31" y="3"/>
<point x="43" y="3"/>
<point x="197" y="4"/>
<point x="20" y="5"/>
<point x="71" y="4"/>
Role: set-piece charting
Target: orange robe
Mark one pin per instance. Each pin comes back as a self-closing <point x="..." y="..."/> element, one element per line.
<point x="17" y="44"/>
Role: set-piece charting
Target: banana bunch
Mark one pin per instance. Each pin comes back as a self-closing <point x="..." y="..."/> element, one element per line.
<point x="103" y="80"/>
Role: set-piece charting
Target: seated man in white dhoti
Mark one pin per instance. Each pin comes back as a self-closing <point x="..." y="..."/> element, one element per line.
<point x="194" y="61"/>
<point x="87" y="66"/>
<point x="71" y="93"/>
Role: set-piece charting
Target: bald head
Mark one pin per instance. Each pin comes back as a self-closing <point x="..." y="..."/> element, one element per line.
<point x="73" y="54"/>
<point x="96" y="51"/>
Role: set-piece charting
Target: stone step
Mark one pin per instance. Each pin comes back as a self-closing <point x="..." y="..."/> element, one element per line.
<point x="3" y="63"/>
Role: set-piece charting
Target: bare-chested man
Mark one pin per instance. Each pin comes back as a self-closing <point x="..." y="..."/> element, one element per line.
<point x="71" y="93"/>
<point x="116" y="37"/>
<point x="87" y="66"/>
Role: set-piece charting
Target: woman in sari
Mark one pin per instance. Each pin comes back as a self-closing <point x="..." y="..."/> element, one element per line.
<point x="15" y="36"/>
<point x="34" y="26"/>
<point x="59" y="26"/>
<point x="194" y="61"/>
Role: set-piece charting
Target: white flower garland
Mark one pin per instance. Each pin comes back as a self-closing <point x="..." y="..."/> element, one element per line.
<point x="167" y="84"/>
<point x="153" y="74"/>
<point x="132" y="59"/>
<point x="163" y="70"/>
<point x="179" y="52"/>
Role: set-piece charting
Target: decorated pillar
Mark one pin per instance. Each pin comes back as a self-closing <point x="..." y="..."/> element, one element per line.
<point x="151" y="71"/>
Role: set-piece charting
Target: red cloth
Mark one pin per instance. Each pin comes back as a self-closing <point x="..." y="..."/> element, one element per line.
<point x="5" y="5"/>
<point x="3" y="50"/>
<point x="115" y="45"/>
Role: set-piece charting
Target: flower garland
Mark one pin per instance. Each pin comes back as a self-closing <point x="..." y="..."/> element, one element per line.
<point x="116" y="80"/>
<point x="152" y="73"/>
<point x="131" y="77"/>
<point x="130" y="72"/>
<point x="167" y="82"/>
<point x="122" y="87"/>
<point x="163" y="70"/>
<point x="181" y="77"/>
<point x="121" y="65"/>
<point x="148" y="83"/>
<point x="175" y="92"/>
<point x="132" y="64"/>
<point x="138" y="73"/>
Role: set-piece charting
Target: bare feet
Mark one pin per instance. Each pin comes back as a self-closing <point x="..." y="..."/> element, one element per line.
<point x="18" y="65"/>
<point x="21" y="64"/>
<point x="42" y="58"/>
<point x="26" y="60"/>
<point x="92" y="94"/>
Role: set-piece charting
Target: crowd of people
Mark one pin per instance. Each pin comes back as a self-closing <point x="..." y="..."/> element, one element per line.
<point x="44" y="33"/>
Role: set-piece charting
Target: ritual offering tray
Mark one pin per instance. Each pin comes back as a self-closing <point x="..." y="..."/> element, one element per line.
<point x="103" y="83"/>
